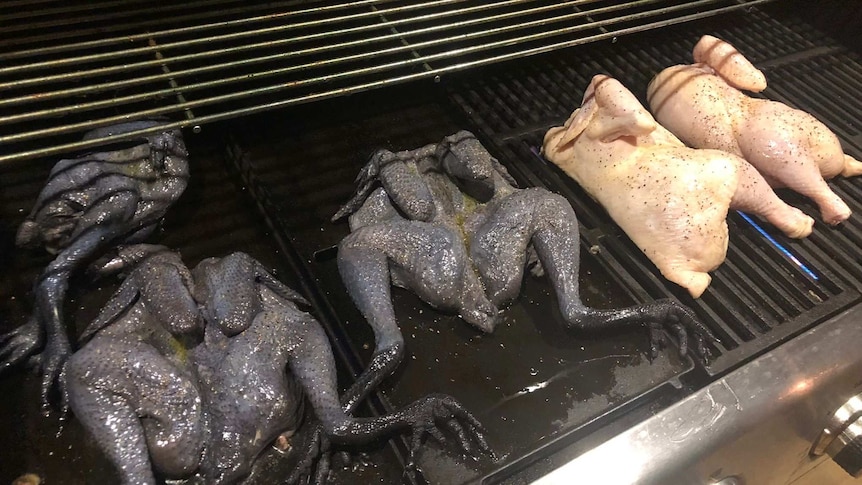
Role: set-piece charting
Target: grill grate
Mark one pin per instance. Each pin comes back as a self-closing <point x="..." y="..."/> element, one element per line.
<point x="69" y="68"/>
<point x="763" y="293"/>
<point x="553" y="384"/>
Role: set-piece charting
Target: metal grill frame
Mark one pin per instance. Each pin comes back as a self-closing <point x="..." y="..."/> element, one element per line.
<point x="392" y="41"/>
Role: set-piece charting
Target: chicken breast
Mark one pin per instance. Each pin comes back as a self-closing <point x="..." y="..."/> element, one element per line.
<point x="703" y="105"/>
<point x="671" y="200"/>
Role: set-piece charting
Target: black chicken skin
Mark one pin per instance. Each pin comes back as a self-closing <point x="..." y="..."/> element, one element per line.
<point x="197" y="372"/>
<point x="90" y="204"/>
<point x="447" y="222"/>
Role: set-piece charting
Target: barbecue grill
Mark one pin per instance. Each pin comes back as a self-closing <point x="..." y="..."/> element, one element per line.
<point x="282" y="103"/>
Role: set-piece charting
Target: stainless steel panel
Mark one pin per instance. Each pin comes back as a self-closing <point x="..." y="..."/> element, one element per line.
<point x="756" y="425"/>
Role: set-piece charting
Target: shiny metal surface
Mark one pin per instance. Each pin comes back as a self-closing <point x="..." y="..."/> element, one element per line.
<point x="258" y="61"/>
<point x="849" y="412"/>
<point x="846" y="448"/>
<point x="756" y="424"/>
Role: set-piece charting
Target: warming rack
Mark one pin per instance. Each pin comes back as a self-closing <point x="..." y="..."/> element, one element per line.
<point x="68" y="68"/>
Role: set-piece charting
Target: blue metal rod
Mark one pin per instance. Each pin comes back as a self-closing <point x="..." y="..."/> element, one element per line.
<point x="786" y="252"/>
<point x="779" y="246"/>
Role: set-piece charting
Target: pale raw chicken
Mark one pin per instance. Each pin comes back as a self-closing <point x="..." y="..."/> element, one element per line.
<point x="703" y="105"/>
<point x="671" y="200"/>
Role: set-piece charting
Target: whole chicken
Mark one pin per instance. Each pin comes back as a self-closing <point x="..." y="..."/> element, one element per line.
<point x="671" y="200"/>
<point x="703" y="105"/>
<point x="91" y="203"/>
<point x="196" y="372"/>
<point x="447" y="222"/>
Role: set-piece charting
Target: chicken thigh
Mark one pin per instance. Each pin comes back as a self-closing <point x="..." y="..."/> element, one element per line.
<point x="703" y="105"/>
<point x="671" y="200"/>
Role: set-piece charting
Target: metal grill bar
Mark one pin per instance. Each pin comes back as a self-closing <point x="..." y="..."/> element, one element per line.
<point x="64" y="10"/>
<point x="241" y="35"/>
<point x="19" y="3"/>
<point x="517" y="29"/>
<point x="179" y="19"/>
<point x="301" y="67"/>
<point x="110" y="15"/>
<point x="278" y="43"/>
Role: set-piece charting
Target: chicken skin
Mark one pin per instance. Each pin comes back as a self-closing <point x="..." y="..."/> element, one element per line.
<point x="671" y="200"/>
<point x="703" y="105"/>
